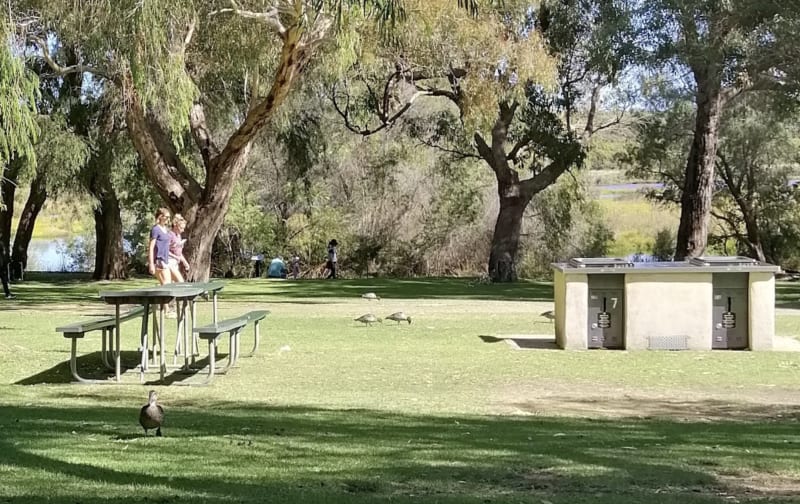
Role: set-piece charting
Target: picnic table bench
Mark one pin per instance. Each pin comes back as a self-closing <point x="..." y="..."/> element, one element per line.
<point x="107" y="325"/>
<point x="152" y="301"/>
<point x="212" y="333"/>
<point x="255" y="316"/>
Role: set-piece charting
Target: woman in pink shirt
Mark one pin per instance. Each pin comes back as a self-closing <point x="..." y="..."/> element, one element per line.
<point x="176" y="243"/>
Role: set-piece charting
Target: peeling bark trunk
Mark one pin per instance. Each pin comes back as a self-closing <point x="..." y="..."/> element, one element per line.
<point x="27" y="220"/>
<point x="699" y="180"/>
<point x="210" y="215"/>
<point x="110" y="260"/>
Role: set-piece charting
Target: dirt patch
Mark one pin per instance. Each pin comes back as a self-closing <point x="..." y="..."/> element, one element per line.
<point x="558" y="398"/>
<point x="761" y="485"/>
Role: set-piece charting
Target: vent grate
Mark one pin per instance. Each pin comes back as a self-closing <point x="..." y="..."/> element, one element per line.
<point x="678" y="342"/>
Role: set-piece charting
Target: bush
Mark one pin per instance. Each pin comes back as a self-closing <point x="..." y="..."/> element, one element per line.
<point x="664" y="245"/>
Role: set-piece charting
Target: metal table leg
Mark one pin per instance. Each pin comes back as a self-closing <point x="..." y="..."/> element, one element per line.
<point x="161" y="345"/>
<point x="117" y="353"/>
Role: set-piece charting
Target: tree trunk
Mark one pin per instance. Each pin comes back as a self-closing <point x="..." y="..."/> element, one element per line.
<point x="202" y="232"/>
<point x="8" y="189"/>
<point x="505" y="241"/>
<point x="27" y="220"/>
<point x="699" y="180"/>
<point x="204" y="207"/>
<point x="753" y="233"/>
<point x="110" y="260"/>
<point x="514" y="194"/>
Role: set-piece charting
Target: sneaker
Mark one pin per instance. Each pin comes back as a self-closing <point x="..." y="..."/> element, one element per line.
<point x="11" y="296"/>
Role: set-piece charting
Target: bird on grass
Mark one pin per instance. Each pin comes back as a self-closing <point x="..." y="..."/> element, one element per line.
<point x="370" y="296"/>
<point x="549" y="315"/>
<point x="151" y="415"/>
<point x="399" y="317"/>
<point x="368" y="319"/>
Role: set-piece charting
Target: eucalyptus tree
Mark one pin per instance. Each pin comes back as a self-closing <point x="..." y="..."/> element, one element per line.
<point x="207" y="73"/>
<point x="515" y="76"/>
<point x="721" y="48"/>
<point x="754" y="207"/>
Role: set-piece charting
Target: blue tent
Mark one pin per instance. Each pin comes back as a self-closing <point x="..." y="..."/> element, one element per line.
<point x="277" y="268"/>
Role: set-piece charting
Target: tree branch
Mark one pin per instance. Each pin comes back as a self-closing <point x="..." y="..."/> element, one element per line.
<point x="189" y="34"/>
<point x="202" y="134"/>
<point x="518" y="147"/>
<point x="271" y="17"/>
<point x="64" y="70"/>
<point x="386" y="120"/>
<point x="483" y="149"/>
<point x="457" y="153"/>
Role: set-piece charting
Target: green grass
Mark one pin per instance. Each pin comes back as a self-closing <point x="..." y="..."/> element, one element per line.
<point x="440" y="411"/>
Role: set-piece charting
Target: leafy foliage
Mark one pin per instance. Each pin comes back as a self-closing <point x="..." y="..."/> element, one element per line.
<point x="60" y="153"/>
<point x="564" y="223"/>
<point x="18" y="95"/>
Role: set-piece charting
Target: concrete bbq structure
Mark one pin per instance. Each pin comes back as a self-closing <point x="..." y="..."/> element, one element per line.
<point x="701" y="304"/>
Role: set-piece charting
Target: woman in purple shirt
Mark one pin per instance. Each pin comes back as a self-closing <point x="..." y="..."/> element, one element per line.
<point x="158" y="251"/>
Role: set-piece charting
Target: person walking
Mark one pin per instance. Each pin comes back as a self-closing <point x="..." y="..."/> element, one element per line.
<point x="333" y="258"/>
<point x="176" y="243"/>
<point x="4" y="262"/>
<point x="296" y="266"/>
<point x="158" y="251"/>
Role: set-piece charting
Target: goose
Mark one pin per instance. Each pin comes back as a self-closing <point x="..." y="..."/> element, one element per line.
<point x="151" y="415"/>
<point x="549" y="315"/>
<point x="370" y="296"/>
<point x="368" y="319"/>
<point x="399" y="317"/>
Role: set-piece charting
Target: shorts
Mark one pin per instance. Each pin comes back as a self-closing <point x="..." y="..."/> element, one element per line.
<point x="162" y="265"/>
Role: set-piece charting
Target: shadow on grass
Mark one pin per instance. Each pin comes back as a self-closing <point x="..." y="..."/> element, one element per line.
<point x="526" y="343"/>
<point x="787" y="295"/>
<point x="414" y="288"/>
<point x="52" y="288"/>
<point x="230" y="452"/>
<point x="90" y="366"/>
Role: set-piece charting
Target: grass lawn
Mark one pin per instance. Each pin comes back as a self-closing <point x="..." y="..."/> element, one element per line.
<point x="440" y="411"/>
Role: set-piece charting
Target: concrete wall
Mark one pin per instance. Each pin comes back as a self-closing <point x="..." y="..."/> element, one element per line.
<point x="560" y="301"/>
<point x="572" y="311"/>
<point x="762" y="310"/>
<point x="666" y="305"/>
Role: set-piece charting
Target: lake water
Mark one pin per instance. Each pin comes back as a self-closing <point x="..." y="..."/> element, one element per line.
<point x="49" y="255"/>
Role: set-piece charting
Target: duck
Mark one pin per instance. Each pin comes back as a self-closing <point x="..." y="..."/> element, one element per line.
<point x="368" y="319"/>
<point x="370" y="296"/>
<point x="399" y="317"/>
<point x="151" y="416"/>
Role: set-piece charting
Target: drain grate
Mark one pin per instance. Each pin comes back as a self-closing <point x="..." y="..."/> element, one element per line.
<point x="678" y="342"/>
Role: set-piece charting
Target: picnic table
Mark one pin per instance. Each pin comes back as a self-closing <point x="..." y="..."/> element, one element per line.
<point x="184" y="295"/>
